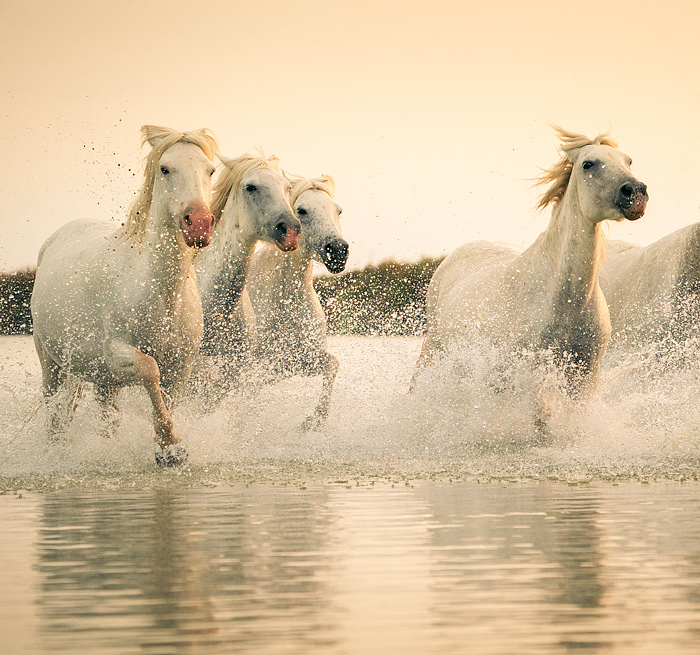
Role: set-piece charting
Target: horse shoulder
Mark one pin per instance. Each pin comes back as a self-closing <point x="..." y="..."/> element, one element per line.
<point x="688" y="277"/>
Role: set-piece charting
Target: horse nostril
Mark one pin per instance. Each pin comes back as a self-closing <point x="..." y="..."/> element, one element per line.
<point x="188" y="220"/>
<point x="281" y="228"/>
<point x="336" y="250"/>
<point x="627" y="190"/>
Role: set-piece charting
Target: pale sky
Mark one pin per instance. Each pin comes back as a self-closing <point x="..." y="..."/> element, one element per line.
<point x="431" y="116"/>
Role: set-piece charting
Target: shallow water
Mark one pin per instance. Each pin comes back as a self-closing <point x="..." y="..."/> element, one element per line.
<point x="538" y="567"/>
<point x="427" y="523"/>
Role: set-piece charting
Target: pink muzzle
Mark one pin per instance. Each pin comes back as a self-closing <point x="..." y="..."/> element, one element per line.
<point x="196" y="226"/>
<point x="289" y="240"/>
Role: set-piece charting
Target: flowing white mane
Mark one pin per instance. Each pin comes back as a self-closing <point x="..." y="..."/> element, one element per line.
<point x="161" y="138"/>
<point x="300" y="185"/>
<point x="234" y="171"/>
<point x="560" y="174"/>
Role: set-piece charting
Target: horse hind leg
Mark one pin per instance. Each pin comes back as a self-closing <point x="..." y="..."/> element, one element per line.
<point x="329" y="369"/>
<point x="111" y="414"/>
<point x="61" y="392"/>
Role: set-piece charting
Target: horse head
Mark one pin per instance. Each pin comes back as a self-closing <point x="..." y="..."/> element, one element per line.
<point x="256" y="193"/>
<point x="597" y="177"/>
<point x="183" y="182"/>
<point x="319" y="215"/>
<point x="606" y="188"/>
<point x="177" y="189"/>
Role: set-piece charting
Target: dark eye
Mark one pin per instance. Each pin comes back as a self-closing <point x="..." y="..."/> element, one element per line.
<point x="340" y="211"/>
<point x="250" y="188"/>
<point x="587" y="165"/>
<point x="165" y="170"/>
<point x="301" y="211"/>
<point x="211" y="174"/>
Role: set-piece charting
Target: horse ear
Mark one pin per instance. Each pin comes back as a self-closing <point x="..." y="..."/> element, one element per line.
<point x="572" y="155"/>
<point x="226" y="161"/>
<point x="154" y="134"/>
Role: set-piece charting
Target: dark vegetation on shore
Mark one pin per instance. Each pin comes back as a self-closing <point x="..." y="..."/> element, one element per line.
<point x="15" y="294"/>
<point x="386" y="299"/>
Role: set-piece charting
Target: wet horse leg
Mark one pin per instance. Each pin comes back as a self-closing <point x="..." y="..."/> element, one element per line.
<point x="130" y="365"/>
<point x="425" y="360"/>
<point x="329" y="368"/>
<point x="111" y="415"/>
<point x="59" y="391"/>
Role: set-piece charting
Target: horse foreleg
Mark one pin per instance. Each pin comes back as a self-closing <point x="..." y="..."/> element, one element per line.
<point x="329" y="369"/>
<point x="129" y="365"/>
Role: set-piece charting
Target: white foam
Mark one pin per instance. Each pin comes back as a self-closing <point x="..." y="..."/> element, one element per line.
<point x="460" y="424"/>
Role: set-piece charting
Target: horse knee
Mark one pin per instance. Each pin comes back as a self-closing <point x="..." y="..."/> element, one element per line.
<point x="146" y="369"/>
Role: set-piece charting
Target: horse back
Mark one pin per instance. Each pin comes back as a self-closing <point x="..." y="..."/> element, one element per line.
<point x="465" y="287"/>
<point x="653" y="291"/>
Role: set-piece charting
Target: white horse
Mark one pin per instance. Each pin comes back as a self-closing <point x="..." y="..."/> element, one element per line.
<point x="545" y="300"/>
<point x="290" y="321"/>
<point x="654" y="291"/>
<point x="251" y="204"/>
<point x="121" y="307"/>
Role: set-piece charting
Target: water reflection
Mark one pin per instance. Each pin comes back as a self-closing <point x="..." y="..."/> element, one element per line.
<point x="182" y="570"/>
<point x="585" y="570"/>
<point x="526" y="568"/>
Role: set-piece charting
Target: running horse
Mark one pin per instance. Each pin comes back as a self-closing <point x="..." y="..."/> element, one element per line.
<point x="118" y="307"/>
<point x="251" y="204"/>
<point x="545" y="300"/>
<point x="654" y="291"/>
<point x="291" y="324"/>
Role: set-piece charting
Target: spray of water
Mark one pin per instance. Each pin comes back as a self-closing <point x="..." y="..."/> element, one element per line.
<point x="466" y="420"/>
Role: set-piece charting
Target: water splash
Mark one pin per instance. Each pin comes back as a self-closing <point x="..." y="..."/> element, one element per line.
<point x="460" y="424"/>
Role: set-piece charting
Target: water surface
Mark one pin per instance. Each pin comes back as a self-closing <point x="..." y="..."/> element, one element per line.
<point x="426" y="523"/>
<point x="537" y="567"/>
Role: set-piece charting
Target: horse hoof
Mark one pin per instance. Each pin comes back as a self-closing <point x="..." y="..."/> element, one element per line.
<point x="173" y="455"/>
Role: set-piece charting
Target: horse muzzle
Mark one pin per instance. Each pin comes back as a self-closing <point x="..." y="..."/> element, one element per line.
<point x="196" y="226"/>
<point x="285" y="234"/>
<point x="334" y="255"/>
<point x="632" y="200"/>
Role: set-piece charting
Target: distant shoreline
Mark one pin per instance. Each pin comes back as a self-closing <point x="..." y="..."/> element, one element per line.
<point x="387" y="299"/>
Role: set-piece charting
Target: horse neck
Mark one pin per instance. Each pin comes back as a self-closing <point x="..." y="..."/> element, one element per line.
<point x="226" y="261"/>
<point x="295" y="268"/>
<point x="169" y="259"/>
<point x="573" y="245"/>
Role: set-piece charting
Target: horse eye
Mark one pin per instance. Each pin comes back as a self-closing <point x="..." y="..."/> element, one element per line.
<point x="587" y="165"/>
<point x="211" y="173"/>
<point x="301" y="211"/>
<point x="340" y="211"/>
<point x="165" y="170"/>
<point x="250" y="188"/>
